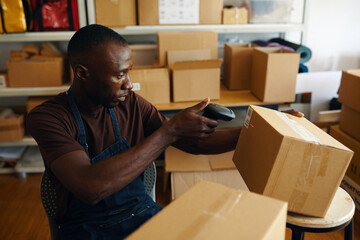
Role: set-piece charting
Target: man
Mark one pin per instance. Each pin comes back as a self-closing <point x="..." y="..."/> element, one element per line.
<point x="98" y="137"/>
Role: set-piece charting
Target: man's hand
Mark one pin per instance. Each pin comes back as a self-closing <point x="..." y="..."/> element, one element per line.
<point x="294" y="112"/>
<point x="189" y="124"/>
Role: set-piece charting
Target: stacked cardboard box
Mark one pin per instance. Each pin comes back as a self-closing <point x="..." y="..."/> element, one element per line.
<point x="212" y="211"/>
<point x="115" y="14"/>
<point x="11" y="125"/>
<point x="348" y="131"/>
<point x="291" y="159"/>
<point x="186" y="169"/>
<point x="235" y="15"/>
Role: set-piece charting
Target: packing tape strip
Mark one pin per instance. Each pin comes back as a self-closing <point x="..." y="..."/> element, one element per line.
<point x="218" y="211"/>
<point x="298" y="128"/>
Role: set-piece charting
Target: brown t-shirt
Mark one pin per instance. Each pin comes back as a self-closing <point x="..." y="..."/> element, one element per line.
<point x="53" y="126"/>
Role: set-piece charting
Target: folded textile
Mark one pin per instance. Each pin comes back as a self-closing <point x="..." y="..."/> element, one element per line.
<point x="305" y="52"/>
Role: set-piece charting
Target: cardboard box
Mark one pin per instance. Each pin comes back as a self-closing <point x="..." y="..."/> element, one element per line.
<point x="289" y="158"/>
<point x="185" y="41"/>
<point x="115" y="13"/>
<point x="187" y="55"/>
<point x="353" y="189"/>
<point x="235" y="15"/>
<point x="349" y="91"/>
<point x="32" y="102"/>
<point x="237" y="65"/>
<point x="187" y="169"/>
<point x="12" y="129"/>
<point x="350" y="121"/>
<point x="209" y="13"/>
<point x="274" y="73"/>
<point x="46" y="72"/>
<point x="196" y="80"/>
<point x="353" y="170"/>
<point x="212" y="211"/>
<point x="153" y="84"/>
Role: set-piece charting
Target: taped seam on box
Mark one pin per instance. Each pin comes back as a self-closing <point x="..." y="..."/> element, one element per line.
<point x="311" y="165"/>
<point x="218" y="211"/>
<point x="297" y="200"/>
<point x="298" y="128"/>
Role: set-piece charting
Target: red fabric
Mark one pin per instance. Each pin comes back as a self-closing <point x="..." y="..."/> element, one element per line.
<point x="55" y="15"/>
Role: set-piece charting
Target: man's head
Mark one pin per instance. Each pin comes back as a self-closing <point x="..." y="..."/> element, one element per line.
<point x="101" y="60"/>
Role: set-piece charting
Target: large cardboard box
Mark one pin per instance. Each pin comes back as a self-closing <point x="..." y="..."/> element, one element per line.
<point x="186" y="169"/>
<point x="274" y="73"/>
<point x="353" y="189"/>
<point x="168" y="41"/>
<point x="289" y="158"/>
<point x="350" y="121"/>
<point x="153" y="84"/>
<point x="209" y="12"/>
<point x="115" y="13"/>
<point x="212" y="211"/>
<point x="237" y="65"/>
<point x="353" y="170"/>
<point x="196" y="80"/>
<point x="12" y="129"/>
<point x="235" y="15"/>
<point x="44" y="72"/>
<point x="349" y="91"/>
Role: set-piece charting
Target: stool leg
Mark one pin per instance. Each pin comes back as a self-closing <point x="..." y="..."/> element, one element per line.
<point x="349" y="231"/>
<point x="297" y="235"/>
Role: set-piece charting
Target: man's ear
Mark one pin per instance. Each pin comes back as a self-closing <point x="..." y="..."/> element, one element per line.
<point x="81" y="72"/>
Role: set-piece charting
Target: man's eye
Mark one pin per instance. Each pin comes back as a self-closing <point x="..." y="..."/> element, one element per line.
<point x="121" y="75"/>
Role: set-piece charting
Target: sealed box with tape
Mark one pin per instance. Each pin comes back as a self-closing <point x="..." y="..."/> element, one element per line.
<point x="289" y="158"/>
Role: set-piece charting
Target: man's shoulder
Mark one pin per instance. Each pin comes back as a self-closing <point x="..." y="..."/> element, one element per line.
<point x="55" y="105"/>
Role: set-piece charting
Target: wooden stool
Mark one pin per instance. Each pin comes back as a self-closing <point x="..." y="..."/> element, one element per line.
<point x="339" y="215"/>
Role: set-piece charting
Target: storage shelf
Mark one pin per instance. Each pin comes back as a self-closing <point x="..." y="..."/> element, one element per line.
<point x="32" y="91"/>
<point x="26" y="141"/>
<point x="145" y="30"/>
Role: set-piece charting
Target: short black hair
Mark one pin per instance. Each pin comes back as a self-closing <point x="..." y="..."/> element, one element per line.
<point x="90" y="36"/>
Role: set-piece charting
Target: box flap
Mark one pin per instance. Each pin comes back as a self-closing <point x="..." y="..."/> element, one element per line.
<point x="180" y="161"/>
<point x="187" y="55"/>
<point x="299" y="128"/>
<point x="212" y="211"/>
<point x="349" y="91"/>
<point x="202" y="64"/>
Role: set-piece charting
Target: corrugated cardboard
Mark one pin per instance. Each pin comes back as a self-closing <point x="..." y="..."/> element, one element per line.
<point x="289" y="158"/>
<point x="274" y="73"/>
<point x="350" y="121"/>
<point x="237" y="65"/>
<point x="235" y="15"/>
<point x="41" y="72"/>
<point x="185" y="41"/>
<point x="196" y="80"/>
<point x="353" y="189"/>
<point x="187" y="169"/>
<point x="349" y="91"/>
<point x="353" y="170"/>
<point x="12" y="129"/>
<point x="212" y="211"/>
<point x="32" y="102"/>
<point x="210" y="12"/>
<point x="187" y="55"/>
<point x="153" y="84"/>
<point x="115" y="13"/>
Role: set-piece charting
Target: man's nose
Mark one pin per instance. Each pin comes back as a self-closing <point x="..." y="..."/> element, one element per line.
<point x="127" y="84"/>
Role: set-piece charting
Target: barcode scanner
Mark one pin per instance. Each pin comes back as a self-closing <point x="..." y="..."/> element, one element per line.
<point x="215" y="111"/>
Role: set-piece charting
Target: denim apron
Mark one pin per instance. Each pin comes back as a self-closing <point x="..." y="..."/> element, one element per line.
<point x="116" y="216"/>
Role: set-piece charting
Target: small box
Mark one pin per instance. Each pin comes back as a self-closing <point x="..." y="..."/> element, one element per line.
<point x="235" y="15"/>
<point x="350" y="121"/>
<point x="39" y="72"/>
<point x="209" y="12"/>
<point x="12" y="129"/>
<point x="213" y="211"/>
<point x="115" y="13"/>
<point x="270" y="11"/>
<point x="353" y="170"/>
<point x="237" y="65"/>
<point x="274" y="73"/>
<point x="349" y="91"/>
<point x="353" y="189"/>
<point x="289" y="158"/>
<point x="168" y="41"/>
<point x="32" y="102"/>
<point x="196" y="80"/>
<point x="153" y="84"/>
<point x="187" y="169"/>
